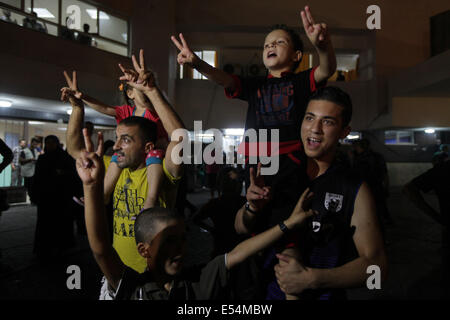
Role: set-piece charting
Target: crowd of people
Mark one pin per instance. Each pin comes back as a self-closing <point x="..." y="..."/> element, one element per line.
<point x="310" y="231"/>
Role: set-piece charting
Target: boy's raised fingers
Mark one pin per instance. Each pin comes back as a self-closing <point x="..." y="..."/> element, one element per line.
<point x="305" y="20"/>
<point x="137" y="67"/>
<point x="176" y="43"/>
<point x="309" y="15"/>
<point x="141" y="59"/>
<point x="183" y="41"/>
<point x="87" y="141"/>
<point x="100" y="149"/>
<point x="74" y="80"/>
<point x="68" y="80"/>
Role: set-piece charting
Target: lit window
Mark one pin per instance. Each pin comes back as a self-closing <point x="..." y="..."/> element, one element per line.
<point x="398" y="137"/>
<point x="208" y="56"/>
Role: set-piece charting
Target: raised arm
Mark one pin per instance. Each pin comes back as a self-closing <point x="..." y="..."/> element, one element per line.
<point x="319" y="36"/>
<point x="186" y="56"/>
<point x="251" y="246"/>
<point x="91" y="171"/>
<point x="143" y="80"/>
<point x="293" y="278"/>
<point x="258" y="195"/>
<point x="91" y="102"/>
<point x="74" y="138"/>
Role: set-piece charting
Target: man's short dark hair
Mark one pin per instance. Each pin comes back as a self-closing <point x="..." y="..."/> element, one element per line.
<point x="147" y="128"/>
<point x="337" y="96"/>
<point x="145" y="224"/>
<point x="295" y="38"/>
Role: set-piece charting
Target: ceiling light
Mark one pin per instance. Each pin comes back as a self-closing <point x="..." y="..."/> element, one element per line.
<point x="35" y="123"/>
<point x="429" y="130"/>
<point x="5" y="103"/>
<point x="43" y="13"/>
<point x="234" y="132"/>
<point x="352" y="137"/>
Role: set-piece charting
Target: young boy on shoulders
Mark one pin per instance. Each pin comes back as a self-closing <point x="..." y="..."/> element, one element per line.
<point x="277" y="101"/>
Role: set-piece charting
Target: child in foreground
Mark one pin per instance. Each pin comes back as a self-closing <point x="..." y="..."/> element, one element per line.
<point x="160" y="239"/>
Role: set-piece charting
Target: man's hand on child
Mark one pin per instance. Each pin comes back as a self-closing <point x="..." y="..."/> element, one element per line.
<point x="302" y="210"/>
<point x="90" y="165"/>
<point x="316" y="32"/>
<point x="292" y="277"/>
<point x="140" y="78"/>
<point x="186" y="56"/>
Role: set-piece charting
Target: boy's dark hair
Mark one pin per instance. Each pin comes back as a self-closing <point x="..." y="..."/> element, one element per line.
<point x="147" y="128"/>
<point x="145" y="224"/>
<point x="295" y="38"/>
<point x="125" y="97"/>
<point x="337" y="96"/>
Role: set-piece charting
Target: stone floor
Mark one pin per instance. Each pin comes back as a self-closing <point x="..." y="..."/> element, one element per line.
<point x="413" y="247"/>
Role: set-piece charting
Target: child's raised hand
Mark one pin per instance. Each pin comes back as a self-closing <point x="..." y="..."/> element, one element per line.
<point x="139" y="78"/>
<point x="302" y="210"/>
<point x="73" y="84"/>
<point x="316" y="32"/>
<point x="186" y="56"/>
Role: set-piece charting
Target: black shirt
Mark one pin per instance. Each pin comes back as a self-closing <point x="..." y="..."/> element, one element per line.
<point x="207" y="283"/>
<point x="276" y="103"/>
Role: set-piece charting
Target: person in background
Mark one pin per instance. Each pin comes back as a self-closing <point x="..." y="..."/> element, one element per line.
<point x="28" y="158"/>
<point x="436" y="179"/>
<point x="54" y="185"/>
<point x="16" y="177"/>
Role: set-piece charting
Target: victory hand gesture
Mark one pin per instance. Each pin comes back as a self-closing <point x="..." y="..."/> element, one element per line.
<point x="186" y="56"/>
<point x="140" y="78"/>
<point x="90" y="165"/>
<point x="316" y="32"/>
<point x="72" y="88"/>
<point x="258" y="195"/>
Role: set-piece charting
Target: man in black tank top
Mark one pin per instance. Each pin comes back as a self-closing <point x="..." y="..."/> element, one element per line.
<point x="335" y="248"/>
<point x="338" y="244"/>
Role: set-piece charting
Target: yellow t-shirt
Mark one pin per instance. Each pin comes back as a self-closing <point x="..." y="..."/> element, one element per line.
<point x="128" y="201"/>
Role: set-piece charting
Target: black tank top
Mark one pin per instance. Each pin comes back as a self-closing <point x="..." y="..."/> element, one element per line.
<point x="327" y="238"/>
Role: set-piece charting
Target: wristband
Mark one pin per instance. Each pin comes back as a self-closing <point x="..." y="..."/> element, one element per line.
<point x="154" y="157"/>
<point x="283" y="227"/>
<point x="247" y="208"/>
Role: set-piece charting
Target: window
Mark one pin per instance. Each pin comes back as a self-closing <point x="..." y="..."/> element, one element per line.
<point x="13" y="3"/>
<point x="398" y="137"/>
<point x="76" y="13"/>
<point x="352" y="136"/>
<point x="208" y="56"/>
<point x="46" y="9"/>
<point x="79" y="21"/>
<point x="113" y="28"/>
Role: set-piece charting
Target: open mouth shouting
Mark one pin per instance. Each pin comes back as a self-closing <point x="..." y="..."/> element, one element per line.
<point x="313" y="143"/>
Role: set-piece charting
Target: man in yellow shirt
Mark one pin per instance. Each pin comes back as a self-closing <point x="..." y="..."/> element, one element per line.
<point x="136" y="137"/>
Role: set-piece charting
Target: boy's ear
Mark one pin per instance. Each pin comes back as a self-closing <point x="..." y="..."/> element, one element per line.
<point x="130" y="93"/>
<point x="143" y="249"/>
<point x="298" y="55"/>
<point x="149" y="146"/>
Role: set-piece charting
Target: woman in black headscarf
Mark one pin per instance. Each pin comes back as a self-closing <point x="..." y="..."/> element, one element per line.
<point x="55" y="183"/>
